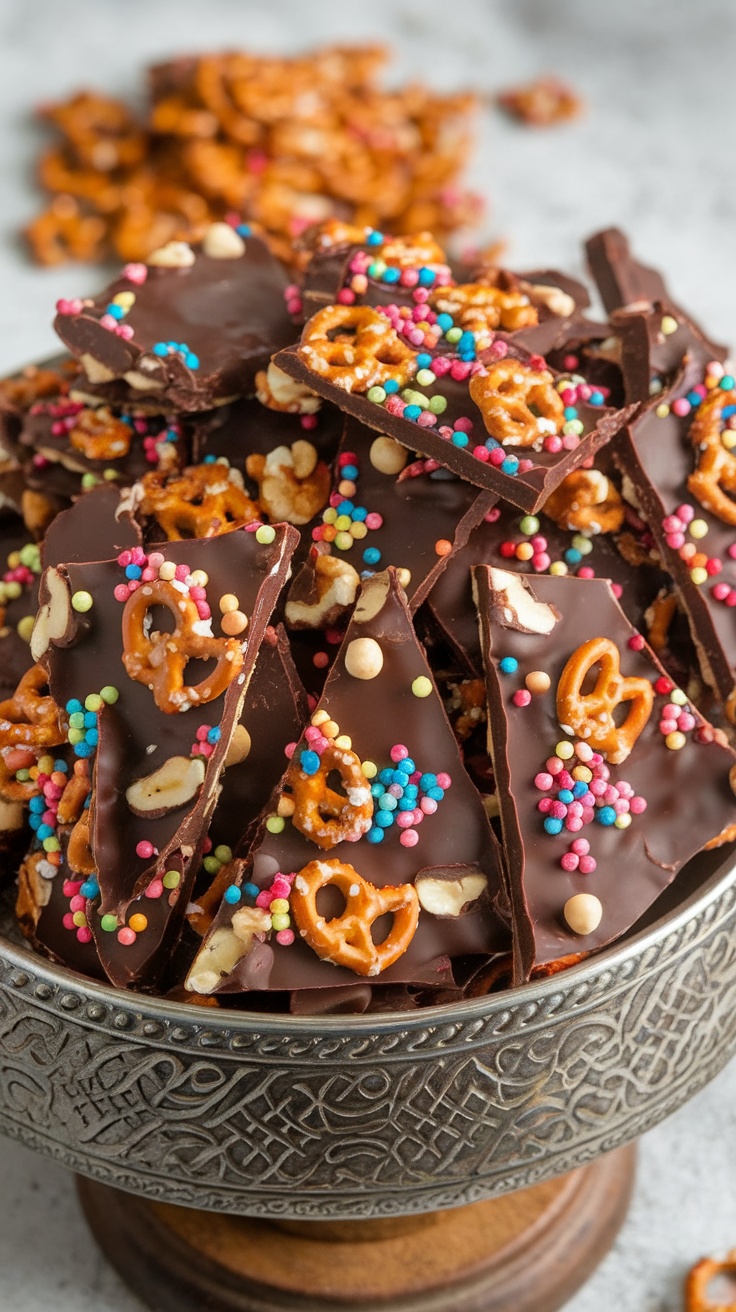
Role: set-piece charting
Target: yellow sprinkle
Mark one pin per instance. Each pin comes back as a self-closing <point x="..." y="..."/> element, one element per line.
<point x="675" y="741"/>
<point x="669" y="325"/>
<point x="46" y="764"/>
<point x="344" y="742"/>
<point x="558" y="567"/>
<point x="582" y="774"/>
<point x="126" y="299"/>
<point x="25" y="627"/>
<point x="343" y="541"/>
<point x="370" y="769"/>
<point x="564" y="750"/>
<point x="662" y="411"/>
<point x="699" y="575"/>
<point x="319" y="717"/>
<point x="329" y="515"/>
<point x="728" y="438"/>
<point x="421" y="686"/>
<point x="343" y="523"/>
<point x="698" y="527"/>
<point x="358" y="529"/>
<point x="678" y="697"/>
<point x="622" y="821"/>
<point x="275" y="824"/>
<point x="200" y="578"/>
<point x="138" y="922"/>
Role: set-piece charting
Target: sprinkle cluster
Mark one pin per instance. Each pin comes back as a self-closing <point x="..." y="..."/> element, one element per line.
<point x="83" y="732"/>
<point x="370" y="264"/>
<point x="23" y="567"/>
<point x="404" y="796"/>
<point x="112" y="319"/>
<point x="580" y="790"/>
<point x="702" y="566"/>
<point x="177" y="348"/>
<point x="274" y="900"/>
<point x="51" y="779"/>
<point x="344" y="523"/>
<point x="715" y="376"/>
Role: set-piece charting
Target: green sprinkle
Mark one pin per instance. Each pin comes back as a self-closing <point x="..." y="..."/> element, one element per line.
<point x="223" y="853"/>
<point x="422" y="686"/>
<point x="425" y="377"/>
<point x="529" y="525"/>
<point x="376" y="394"/>
<point x="109" y="694"/>
<point x="438" y="404"/>
<point x="75" y="736"/>
<point x="88" y="481"/>
<point x="171" y="879"/>
<point x="109" y="924"/>
<point x="110" y="475"/>
<point x="265" y="534"/>
<point x="82" y="601"/>
<point x="93" y="702"/>
<point x="211" y="865"/>
<point x="454" y="334"/>
<point x="275" y="824"/>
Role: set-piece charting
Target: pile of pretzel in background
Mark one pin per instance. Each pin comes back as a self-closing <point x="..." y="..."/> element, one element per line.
<point x="284" y="143"/>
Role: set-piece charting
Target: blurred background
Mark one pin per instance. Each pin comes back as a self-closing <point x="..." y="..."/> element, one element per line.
<point x="651" y="153"/>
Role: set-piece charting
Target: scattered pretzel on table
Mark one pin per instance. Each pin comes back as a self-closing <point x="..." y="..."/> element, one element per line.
<point x="355" y="347"/>
<point x="590" y="715"/>
<point x="159" y="660"/>
<point x="324" y="815"/>
<point x="346" y="940"/>
<point x="699" y="1279"/>
<point x="505" y="393"/>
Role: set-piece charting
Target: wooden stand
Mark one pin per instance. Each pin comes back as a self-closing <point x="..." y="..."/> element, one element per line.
<point x="528" y="1251"/>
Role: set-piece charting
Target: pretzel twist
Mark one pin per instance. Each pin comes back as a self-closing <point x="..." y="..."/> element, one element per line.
<point x="480" y="308"/>
<point x="355" y="348"/>
<point x="715" y="476"/>
<point x="346" y="940"/>
<point x="324" y="815"/>
<point x="587" y="501"/>
<point x="590" y="715"/>
<point x="99" y="435"/>
<point x="31" y="718"/>
<point x="700" y="1277"/>
<point x="505" y="394"/>
<point x="159" y="660"/>
<point x="200" y="502"/>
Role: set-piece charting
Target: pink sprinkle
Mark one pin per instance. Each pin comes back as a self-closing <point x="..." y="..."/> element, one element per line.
<point x="574" y="823"/>
<point x="675" y="540"/>
<point x="570" y="441"/>
<point x="441" y="365"/>
<point x="636" y="642"/>
<point x="617" y="590"/>
<point x="686" y="513"/>
<point x="667" y="726"/>
<point x="202" y="731"/>
<point x="285" y="937"/>
<point x="281" y="887"/>
<point x="544" y="805"/>
<point x="460" y="370"/>
<point x="558" y="810"/>
<point x="522" y="697"/>
<point x="686" y="722"/>
<point x="499" y="349"/>
<point x="428" y="420"/>
<point x="638" y="804"/>
<point x="541" y="561"/>
<point x="428" y="805"/>
<point x="289" y="750"/>
<point x="585" y="572"/>
<point x="554" y="765"/>
<point x="610" y="795"/>
<point x="144" y="849"/>
<point x="681" y="407"/>
<point x="68" y="921"/>
<point x="404" y="819"/>
<point x="73" y="306"/>
<point x="463" y="425"/>
<point x="569" y="861"/>
<point x="71" y="887"/>
<point x="77" y="903"/>
<point x="543" y="782"/>
<point x="107" y="321"/>
<point x="373" y="520"/>
<point x="125" y="558"/>
<point x="345" y="296"/>
<point x="497" y="455"/>
<point x="308" y="422"/>
<point x="621" y="806"/>
<point x="155" y="889"/>
<point x="124" y="330"/>
<point x="584" y="752"/>
<point x="581" y="847"/>
<point x="598" y="787"/>
<point x="84" y="934"/>
<point x="136" y="273"/>
<point x="565" y="779"/>
<point x="552" y="444"/>
<point x="126" y="936"/>
<point x="265" y="898"/>
<point x="587" y="865"/>
<point x="398" y="753"/>
<point x="310" y="733"/>
<point x="525" y="465"/>
<point x="444" y="780"/>
<point x="481" y="452"/>
<point x="409" y="838"/>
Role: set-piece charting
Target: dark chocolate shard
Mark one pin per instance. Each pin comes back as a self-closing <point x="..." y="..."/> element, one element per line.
<point x="623" y="281"/>
<point x="150" y="757"/>
<point x="679" y="479"/>
<point x="525" y="476"/>
<point x="97" y="526"/>
<point x="655" y="339"/>
<point x="395" y="714"/>
<point x="190" y="329"/>
<point x="595" y="813"/>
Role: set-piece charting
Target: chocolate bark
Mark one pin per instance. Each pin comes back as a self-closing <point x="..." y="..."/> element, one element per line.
<point x="655" y="338"/>
<point x="658" y="456"/>
<point x="638" y="837"/>
<point x="537" y="472"/>
<point x="195" y="335"/>
<point x="134" y="848"/>
<point x="376" y="714"/>
<point x="97" y="526"/>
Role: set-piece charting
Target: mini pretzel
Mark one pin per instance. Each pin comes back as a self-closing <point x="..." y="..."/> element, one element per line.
<point x="31" y="718"/>
<point x="79" y="851"/>
<point x="64" y="232"/>
<point x="413" y="249"/>
<point x="74" y="796"/>
<point x="586" y="501"/>
<point x="33" y="385"/>
<point x="346" y="940"/>
<point x="700" y="1277"/>
<point x="101" y="131"/>
<point x="159" y="660"/>
<point x="99" y="435"/>
<point x="355" y="347"/>
<point x="323" y="815"/>
<point x="505" y="394"/>
<point x="478" y="307"/>
<point x="715" y="475"/>
<point x="590" y="715"/>
<point x="659" y="617"/>
<point x="200" y="502"/>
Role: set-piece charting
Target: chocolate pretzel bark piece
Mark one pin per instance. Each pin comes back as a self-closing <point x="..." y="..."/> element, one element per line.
<point x="597" y="756"/>
<point x="374" y="799"/>
<point x="498" y="420"/>
<point x="174" y="671"/>
<point x="386" y="509"/>
<point x="594" y="534"/>
<point x="623" y="281"/>
<point x="655" y="338"/>
<point x="680" y="470"/>
<point x="191" y="328"/>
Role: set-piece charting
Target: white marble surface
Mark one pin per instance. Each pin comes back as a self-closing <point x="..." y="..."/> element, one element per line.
<point x="653" y="154"/>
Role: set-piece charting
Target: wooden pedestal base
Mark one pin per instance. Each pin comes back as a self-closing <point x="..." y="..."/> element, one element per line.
<point x="528" y="1251"/>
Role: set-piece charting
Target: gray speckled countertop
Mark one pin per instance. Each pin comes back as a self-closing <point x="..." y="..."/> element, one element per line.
<point x="653" y="154"/>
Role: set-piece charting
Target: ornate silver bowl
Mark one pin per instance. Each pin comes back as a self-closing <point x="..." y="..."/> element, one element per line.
<point x="374" y="1116"/>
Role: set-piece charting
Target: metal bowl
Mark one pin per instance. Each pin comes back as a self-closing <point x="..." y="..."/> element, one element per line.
<point x="370" y="1116"/>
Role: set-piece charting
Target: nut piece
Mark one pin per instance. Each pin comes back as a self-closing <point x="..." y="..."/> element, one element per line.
<point x="583" y="913"/>
<point x="518" y="607"/>
<point x="240" y="745"/>
<point x="445" y="894"/>
<point x="278" y="391"/>
<point x="283" y="492"/>
<point x="174" y="255"/>
<point x="174" y="784"/>
<point x="556" y="301"/>
<point x="388" y="456"/>
<point x="221" y="242"/>
<point x="363" y="658"/>
<point x="225" y="948"/>
<point x="55" y="619"/>
<point x="321" y="593"/>
<point x="373" y="597"/>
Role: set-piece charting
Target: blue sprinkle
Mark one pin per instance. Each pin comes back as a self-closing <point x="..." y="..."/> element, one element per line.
<point x="566" y="795"/>
<point x="606" y="815"/>
<point x="491" y="443"/>
<point x="251" y="891"/>
<point x="90" y="888"/>
<point x="115" y="311"/>
<point x="424" y="360"/>
<point x="727" y="383"/>
<point x="387" y="802"/>
<point x="92" y="737"/>
<point x="367" y="573"/>
<point x="383" y="818"/>
<point x="407" y="803"/>
<point x="90" y="720"/>
<point x="160" y="348"/>
<point x="233" y="895"/>
<point x="411" y="791"/>
<point x="426" y="277"/>
<point x="34" y="821"/>
<point x="436" y="793"/>
<point x="596" y="398"/>
<point x="460" y="439"/>
<point x="694" y="398"/>
<point x="579" y="789"/>
<point x="374" y="835"/>
<point x="360" y="513"/>
<point x="61" y="766"/>
<point x="445" y="321"/>
<point x="133" y="571"/>
<point x="374" y="238"/>
<point x="412" y="412"/>
<point x="407" y="766"/>
<point x="371" y="555"/>
<point x="727" y="411"/>
<point x="551" y="825"/>
<point x="391" y="275"/>
<point x="209" y="460"/>
<point x="345" y="508"/>
<point x="377" y="790"/>
<point x="349" y="471"/>
<point x="428" y="781"/>
<point x="191" y="361"/>
<point x="309" y="762"/>
<point x="214" y="735"/>
<point x="243" y="230"/>
<point x="84" y="750"/>
<point x="570" y="412"/>
<point x="73" y="706"/>
<point x="44" y="831"/>
<point x="37" y="803"/>
<point x="510" y="465"/>
<point x="509" y="665"/>
<point x="572" y="556"/>
<point x="87" y="801"/>
<point x="390" y="386"/>
<point x="386" y="776"/>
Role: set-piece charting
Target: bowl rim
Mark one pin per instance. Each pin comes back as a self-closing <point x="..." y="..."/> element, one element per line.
<point x="241" y="1021"/>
